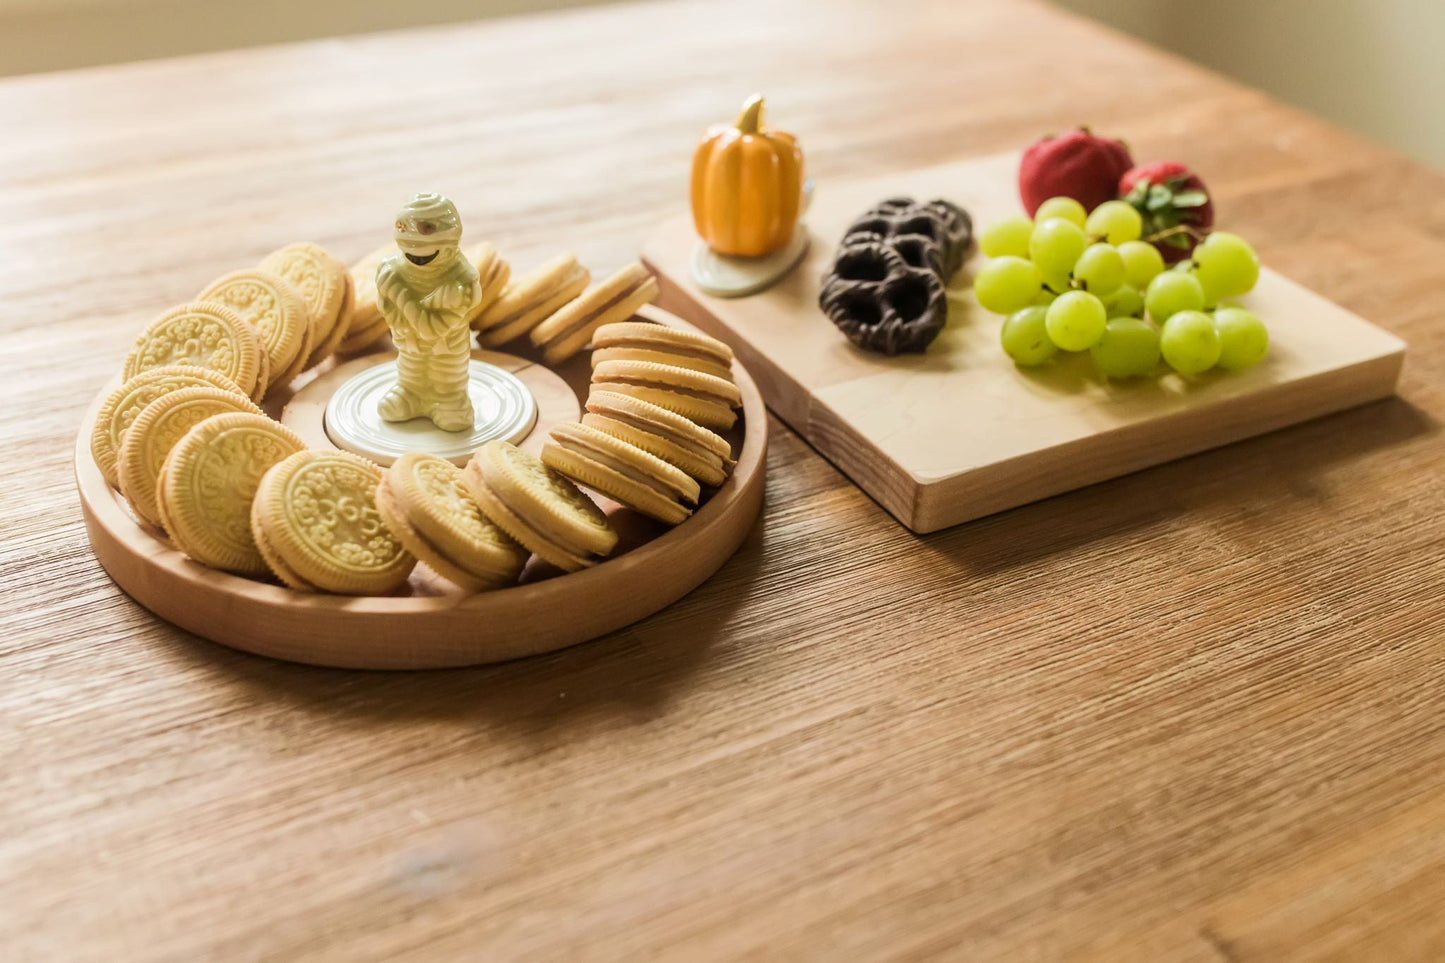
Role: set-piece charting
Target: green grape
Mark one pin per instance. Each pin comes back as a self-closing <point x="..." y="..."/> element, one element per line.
<point x="1116" y="222"/>
<point x="1008" y="236"/>
<point x="1065" y="207"/>
<point x="1045" y="298"/>
<point x="1125" y="303"/>
<point x="1128" y="349"/>
<point x="1189" y="342"/>
<point x="1172" y="292"/>
<point x="1142" y="263"/>
<point x="1007" y="284"/>
<point x="1025" y="337"/>
<point x="1100" y="269"/>
<point x="1243" y="338"/>
<point x="1058" y="283"/>
<point x="1056" y="245"/>
<point x="1075" y="321"/>
<point x="1226" y="265"/>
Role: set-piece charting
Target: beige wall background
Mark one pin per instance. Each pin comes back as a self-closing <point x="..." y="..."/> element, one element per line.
<point x="1375" y="66"/>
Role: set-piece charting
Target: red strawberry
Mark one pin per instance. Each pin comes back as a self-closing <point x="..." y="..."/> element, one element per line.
<point x="1076" y="164"/>
<point x="1174" y="203"/>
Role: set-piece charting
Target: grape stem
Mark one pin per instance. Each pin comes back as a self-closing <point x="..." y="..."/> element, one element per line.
<point x="1174" y="231"/>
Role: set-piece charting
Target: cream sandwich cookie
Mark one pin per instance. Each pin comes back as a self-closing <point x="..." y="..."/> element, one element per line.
<point x="356" y="342"/>
<point x="124" y="404"/>
<point x="324" y="284"/>
<point x="208" y="482"/>
<point x="273" y="306"/>
<point x="155" y="432"/>
<point x="204" y="334"/>
<point x="703" y="398"/>
<point x="623" y="472"/>
<point x="365" y="324"/>
<point x="530" y="298"/>
<point x="315" y="522"/>
<point x="426" y="506"/>
<point x="644" y="341"/>
<point x="681" y="443"/>
<point x="493" y="273"/>
<point x="538" y="507"/>
<point x="570" y="329"/>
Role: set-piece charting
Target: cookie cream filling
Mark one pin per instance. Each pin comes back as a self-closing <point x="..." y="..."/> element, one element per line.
<point x="690" y="352"/>
<point x="663" y="386"/>
<point x="591" y="316"/>
<point x="661" y="431"/>
<point x="542" y="297"/>
<point x="621" y="467"/>
<point x="545" y="529"/>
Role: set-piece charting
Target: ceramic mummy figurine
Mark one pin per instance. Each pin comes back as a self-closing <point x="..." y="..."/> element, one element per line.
<point x="426" y="293"/>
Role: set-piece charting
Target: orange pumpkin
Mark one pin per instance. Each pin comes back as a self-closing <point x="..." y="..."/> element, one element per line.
<point x="747" y="185"/>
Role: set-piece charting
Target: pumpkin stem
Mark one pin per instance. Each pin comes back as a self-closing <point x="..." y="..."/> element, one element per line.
<point x="751" y="119"/>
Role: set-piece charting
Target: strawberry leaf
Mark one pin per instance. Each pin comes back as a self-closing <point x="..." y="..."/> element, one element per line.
<point x="1191" y="199"/>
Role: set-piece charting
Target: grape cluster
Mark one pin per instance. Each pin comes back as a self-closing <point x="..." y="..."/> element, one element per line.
<point x="1073" y="280"/>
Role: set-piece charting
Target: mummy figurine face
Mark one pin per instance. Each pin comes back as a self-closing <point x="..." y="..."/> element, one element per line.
<point x="426" y="293"/>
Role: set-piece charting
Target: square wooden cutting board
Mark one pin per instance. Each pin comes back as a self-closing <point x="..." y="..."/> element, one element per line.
<point x="960" y="432"/>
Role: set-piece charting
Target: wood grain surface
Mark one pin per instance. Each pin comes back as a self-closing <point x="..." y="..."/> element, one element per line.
<point x="1189" y="714"/>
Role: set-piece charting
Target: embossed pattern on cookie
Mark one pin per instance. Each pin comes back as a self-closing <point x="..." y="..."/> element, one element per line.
<point x="316" y="511"/>
<point x="205" y="334"/>
<point x="155" y="432"/>
<point x="424" y="502"/>
<point x="273" y="306"/>
<point x="122" y="405"/>
<point x="322" y="281"/>
<point x="207" y="484"/>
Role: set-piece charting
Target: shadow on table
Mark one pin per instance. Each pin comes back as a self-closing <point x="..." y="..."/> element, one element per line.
<point x="1235" y="476"/>
<point x="634" y="672"/>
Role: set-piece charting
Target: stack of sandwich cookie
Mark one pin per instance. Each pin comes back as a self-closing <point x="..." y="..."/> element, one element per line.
<point x="314" y="521"/>
<point x="366" y="325"/>
<point x="571" y="327"/>
<point x="157" y="429"/>
<point x="706" y="399"/>
<point x="208" y="481"/>
<point x="644" y="341"/>
<point x="529" y="299"/>
<point x="124" y="404"/>
<point x="493" y="273"/>
<point x="687" y="446"/>
<point x="203" y="334"/>
<point x="424" y="503"/>
<point x="538" y="507"/>
<point x="621" y="471"/>
<point x="273" y="306"/>
<point x="325" y="286"/>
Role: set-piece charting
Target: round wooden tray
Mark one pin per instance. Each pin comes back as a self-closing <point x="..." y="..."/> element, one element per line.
<point x="432" y="624"/>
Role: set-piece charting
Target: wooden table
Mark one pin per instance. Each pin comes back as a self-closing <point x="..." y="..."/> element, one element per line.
<point x="1195" y="713"/>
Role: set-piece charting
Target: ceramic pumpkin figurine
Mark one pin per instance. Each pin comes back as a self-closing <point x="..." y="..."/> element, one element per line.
<point x="747" y="185"/>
